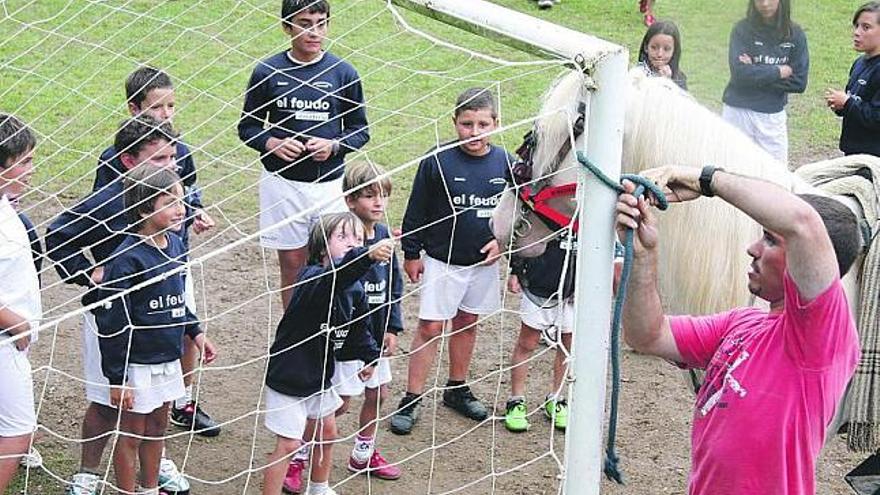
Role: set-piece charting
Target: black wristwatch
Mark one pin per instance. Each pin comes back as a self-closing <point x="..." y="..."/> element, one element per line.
<point x="706" y="180"/>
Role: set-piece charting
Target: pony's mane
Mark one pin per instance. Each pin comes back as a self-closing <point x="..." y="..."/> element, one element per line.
<point x="553" y="127"/>
<point x="703" y="262"/>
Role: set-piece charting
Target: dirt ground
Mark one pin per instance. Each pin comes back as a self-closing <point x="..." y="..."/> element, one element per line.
<point x="446" y="453"/>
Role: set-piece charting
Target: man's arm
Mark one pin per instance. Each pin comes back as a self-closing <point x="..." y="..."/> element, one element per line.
<point x="810" y="257"/>
<point x="645" y="327"/>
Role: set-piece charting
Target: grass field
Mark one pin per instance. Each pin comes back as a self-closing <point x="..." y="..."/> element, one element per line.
<point x="63" y="62"/>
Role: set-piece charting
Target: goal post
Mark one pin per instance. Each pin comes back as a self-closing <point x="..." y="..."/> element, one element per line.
<point x="606" y="65"/>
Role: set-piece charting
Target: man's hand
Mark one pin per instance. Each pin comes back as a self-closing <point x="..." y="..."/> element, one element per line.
<point x="122" y="397"/>
<point x="679" y="184"/>
<point x="288" y="149"/>
<point x="389" y="344"/>
<point x="636" y="214"/>
<point x="203" y="222"/>
<point x="366" y="373"/>
<point x="745" y="58"/>
<point x="320" y="148"/>
<point x="414" y="269"/>
<point x="492" y="251"/>
<point x="97" y="275"/>
<point x="382" y="250"/>
<point x="206" y="348"/>
<point x="785" y="71"/>
<point x="513" y="284"/>
<point x="836" y="99"/>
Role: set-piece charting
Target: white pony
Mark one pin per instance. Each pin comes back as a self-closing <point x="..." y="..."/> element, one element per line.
<point x="703" y="261"/>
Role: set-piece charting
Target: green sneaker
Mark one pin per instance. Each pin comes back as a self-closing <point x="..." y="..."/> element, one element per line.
<point x="516" y="418"/>
<point x="557" y="411"/>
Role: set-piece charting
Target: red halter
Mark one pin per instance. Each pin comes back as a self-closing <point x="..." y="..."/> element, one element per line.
<point x="538" y="204"/>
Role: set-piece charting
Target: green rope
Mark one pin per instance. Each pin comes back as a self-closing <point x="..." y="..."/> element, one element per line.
<point x="643" y="186"/>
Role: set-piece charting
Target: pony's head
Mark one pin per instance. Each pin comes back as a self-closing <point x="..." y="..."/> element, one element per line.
<point x="516" y="225"/>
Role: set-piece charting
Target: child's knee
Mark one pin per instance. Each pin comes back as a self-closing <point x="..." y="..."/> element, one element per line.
<point x="375" y="396"/>
<point x="429" y="329"/>
<point x="328" y="429"/>
<point x="287" y="446"/>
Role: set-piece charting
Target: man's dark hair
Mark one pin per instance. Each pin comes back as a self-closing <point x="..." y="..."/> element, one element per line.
<point x="290" y="8"/>
<point x="143" y="80"/>
<point x="476" y="99"/>
<point x="137" y="132"/>
<point x="842" y="227"/>
<point x="782" y="20"/>
<point x="867" y="7"/>
<point x="16" y="139"/>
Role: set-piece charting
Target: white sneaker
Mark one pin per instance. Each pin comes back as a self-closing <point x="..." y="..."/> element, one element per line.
<point x="31" y="460"/>
<point x="545" y="4"/>
<point x="171" y="479"/>
<point x="328" y="491"/>
<point x="83" y="484"/>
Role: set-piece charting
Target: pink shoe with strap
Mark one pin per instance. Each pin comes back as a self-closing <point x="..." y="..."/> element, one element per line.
<point x="293" y="479"/>
<point x="377" y="467"/>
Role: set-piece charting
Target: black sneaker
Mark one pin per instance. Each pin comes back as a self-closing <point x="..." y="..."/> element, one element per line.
<point x="193" y="418"/>
<point x="404" y="419"/>
<point x="462" y="400"/>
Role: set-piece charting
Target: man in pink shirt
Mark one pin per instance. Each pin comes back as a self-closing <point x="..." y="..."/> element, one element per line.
<point x="773" y="379"/>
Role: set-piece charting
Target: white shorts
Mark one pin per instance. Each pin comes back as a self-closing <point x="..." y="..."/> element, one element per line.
<point x="282" y="199"/>
<point x="449" y="288"/>
<point x="767" y="130"/>
<point x="347" y="383"/>
<point x="17" y="416"/>
<point x="286" y="415"/>
<point x="154" y="384"/>
<point x="549" y="317"/>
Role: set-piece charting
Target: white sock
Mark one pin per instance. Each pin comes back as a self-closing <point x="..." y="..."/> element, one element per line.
<point x="363" y="448"/>
<point x="303" y="453"/>
<point x="181" y="402"/>
<point x="316" y="488"/>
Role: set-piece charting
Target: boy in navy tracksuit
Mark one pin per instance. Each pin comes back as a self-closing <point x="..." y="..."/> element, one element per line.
<point x="149" y="91"/>
<point x="142" y="330"/>
<point x="96" y="226"/>
<point x="314" y="106"/>
<point x="325" y="321"/>
<point x="768" y="59"/>
<point x="546" y="307"/>
<point x="453" y="195"/>
<point x="859" y="105"/>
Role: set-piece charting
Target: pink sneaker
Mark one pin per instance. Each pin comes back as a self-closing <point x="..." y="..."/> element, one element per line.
<point x="293" y="478"/>
<point x="378" y="467"/>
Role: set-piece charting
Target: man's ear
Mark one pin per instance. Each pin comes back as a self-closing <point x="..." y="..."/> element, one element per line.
<point x="127" y="160"/>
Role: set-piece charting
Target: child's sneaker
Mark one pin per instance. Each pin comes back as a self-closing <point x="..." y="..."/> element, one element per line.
<point x="171" y="480"/>
<point x="192" y="417"/>
<point x="376" y="466"/>
<point x="83" y="484"/>
<point x="557" y="411"/>
<point x="293" y="482"/>
<point x="405" y="418"/>
<point x="545" y="4"/>
<point x="462" y="400"/>
<point x="31" y="460"/>
<point x="516" y="418"/>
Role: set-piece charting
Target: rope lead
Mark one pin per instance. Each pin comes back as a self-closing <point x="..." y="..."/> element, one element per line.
<point x="643" y="187"/>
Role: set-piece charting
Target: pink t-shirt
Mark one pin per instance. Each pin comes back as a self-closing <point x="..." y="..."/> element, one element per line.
<point x="771" y="388"/>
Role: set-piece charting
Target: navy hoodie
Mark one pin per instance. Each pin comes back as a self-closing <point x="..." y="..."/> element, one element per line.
<point x="383" y="285"/>
<point x="860" y="132"/>
<point x="319" y="99"/>
<point x="320" y="318"/>
<point x="758" y="86"/>
<point x="145" y="326"/>
<point x="34" y="238"/>
<point x="452" y="199"/>
<point x="98" y="224"/>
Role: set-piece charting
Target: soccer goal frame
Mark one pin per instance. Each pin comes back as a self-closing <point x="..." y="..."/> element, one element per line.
<point x="606" y="65"/>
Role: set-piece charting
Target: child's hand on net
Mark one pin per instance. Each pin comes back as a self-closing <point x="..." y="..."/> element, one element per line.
<point x="382" y="250"/>
<point x="513" y="284"/>
<point x="122" y="397"/>
<point x="366" y="373"/>
<point x="203" y="222"/>
<point x="389" y="344"/>
<point x="492" y="251"/>
<point x="206" y="347"/>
